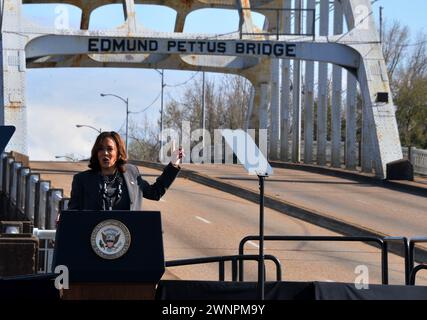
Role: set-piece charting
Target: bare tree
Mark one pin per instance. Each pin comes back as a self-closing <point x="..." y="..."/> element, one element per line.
<point x="226" y="104"/>
<point x="395" y="46"/>
<point x="415" y="65"/>
<point x="410" y="91"/>
<point x="144" y="141"/>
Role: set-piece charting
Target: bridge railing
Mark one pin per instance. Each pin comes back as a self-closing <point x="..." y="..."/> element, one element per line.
<point x="46" y="247"/>
<point x="40" y="214"/>
<point x="23" y="172"/>
<point x="30" y="195"/>
<point x="418" y="158"/>
<point x="26" y="197"/>
<point x="13" y="180"/>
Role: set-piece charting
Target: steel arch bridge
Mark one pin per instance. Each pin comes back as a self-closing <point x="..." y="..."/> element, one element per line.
<point x="262" y="56"/>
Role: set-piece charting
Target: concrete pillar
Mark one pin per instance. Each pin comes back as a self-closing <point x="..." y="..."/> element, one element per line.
<point x="337" y="94"/>
<point x="322" y="107"/>
<point x="245" y="16"/>
<point x="296" y="113"/>
<point x="275" y="109"/>
<point x="250" y="109"/>
<point x="380" y="125"/>
<point x="129" y="13"/>
<point x="12" y="81"/>
<point x="351" y="123"/>
<point x="352" y="148"/>
<point x="264" y="104"/>
<point x="366" y="142"/>
<point x="285" y="98"/>
<point x="309" y="95"/>
<point x="84" y="21"/>
<point x="180" y="21"/>
<point x="285" y="101"/>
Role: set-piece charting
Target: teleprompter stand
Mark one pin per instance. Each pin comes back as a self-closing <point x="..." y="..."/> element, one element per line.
<point x="255" y="163"/>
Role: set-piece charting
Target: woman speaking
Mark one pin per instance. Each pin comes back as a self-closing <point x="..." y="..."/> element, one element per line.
<point x="112" y="183"/>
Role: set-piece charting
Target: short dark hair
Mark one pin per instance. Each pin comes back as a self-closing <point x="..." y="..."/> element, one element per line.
<point x="121" y="151"/>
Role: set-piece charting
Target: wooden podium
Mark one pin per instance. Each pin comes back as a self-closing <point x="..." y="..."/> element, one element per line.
<point x="110" y="255"/>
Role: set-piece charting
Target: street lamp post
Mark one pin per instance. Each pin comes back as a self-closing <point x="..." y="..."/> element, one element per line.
<point x="66" y="157"/>
<point x="162" y="74"/>
<point x="203" y="112"/>
<point x="84" y="125"/>
<point x="126" y="101"/>
<point x="161" y="108"/>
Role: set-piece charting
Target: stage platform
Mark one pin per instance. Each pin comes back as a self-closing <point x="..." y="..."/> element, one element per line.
<point x="41" y="287"/>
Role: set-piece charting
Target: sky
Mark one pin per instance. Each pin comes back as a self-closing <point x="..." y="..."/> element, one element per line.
<point x="58" y="99"/>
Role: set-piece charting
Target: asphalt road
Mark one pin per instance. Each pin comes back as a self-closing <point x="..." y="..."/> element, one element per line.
<point x="201" y="221"/>
<point x="394" y="213"/>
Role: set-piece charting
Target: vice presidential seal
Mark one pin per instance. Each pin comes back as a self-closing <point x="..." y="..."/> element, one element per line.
<point x="110" y="239"/>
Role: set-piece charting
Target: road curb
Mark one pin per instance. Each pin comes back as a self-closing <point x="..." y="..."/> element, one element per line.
<point x="308" y="215"/>
<point x="403" y="186"/>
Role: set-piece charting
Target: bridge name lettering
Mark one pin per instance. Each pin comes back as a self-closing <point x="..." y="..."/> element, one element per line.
<point x="129" y="45"/>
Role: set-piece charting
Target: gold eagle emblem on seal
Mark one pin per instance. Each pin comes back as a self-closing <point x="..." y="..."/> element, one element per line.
<point x="110" y="239"/>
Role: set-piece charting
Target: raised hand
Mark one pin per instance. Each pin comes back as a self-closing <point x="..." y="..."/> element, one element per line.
<point x="177" y="154"/>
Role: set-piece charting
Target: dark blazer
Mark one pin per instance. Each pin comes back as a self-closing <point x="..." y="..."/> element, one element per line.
<point x="85" y="191"/>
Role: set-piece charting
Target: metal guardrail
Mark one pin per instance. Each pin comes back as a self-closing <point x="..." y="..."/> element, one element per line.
<point x="406" y="254"/>
<point x="381" y="242"/>
<point x="221" y="261"/>
<point x="47" y="242"/>
<point x="47" y="238"/>
<point x="414" y="270"/>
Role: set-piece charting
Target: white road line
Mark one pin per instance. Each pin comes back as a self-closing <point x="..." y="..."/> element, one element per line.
<point x="253" y="244"/>
<point x="204" y="220"/>
<point x="361" y="201"/>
